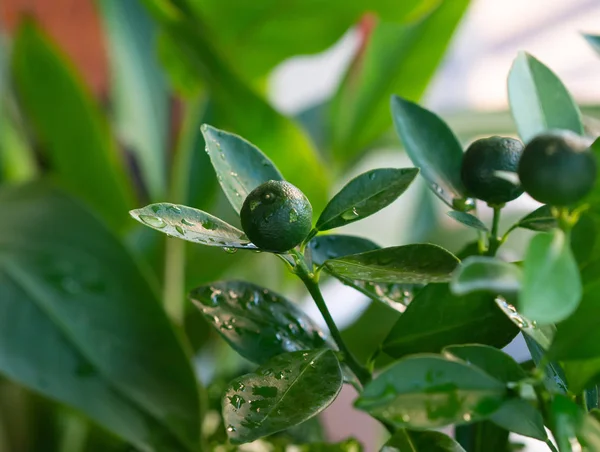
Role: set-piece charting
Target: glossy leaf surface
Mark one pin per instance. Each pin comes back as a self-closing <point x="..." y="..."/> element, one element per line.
<point x="488" y="274"/>
<point x="542" y="334"/>
<point x="468" y="220"/>
<point x="551" y="281"/>
<point x="490" y="360"/>
<point x="436" y="319"/>
<point x="82" y="155"/>
<point x="257" y="323"/>
<point x="432" y="147"/>
<point x="428" y="391"/>
<point x="240" y="166"/>
<point x="538" y="99"/>
<point x="408" y="264"/>
<point x="285" y="391"/>
<point x="364" y="195"/>
<point x="103" y="344"/>
<point x="333" y="246"/>
<point x="192" y="225"/>
<point x="519" y="416"/>
<point x="541" y="219"/>
<point x="405" y="440"/>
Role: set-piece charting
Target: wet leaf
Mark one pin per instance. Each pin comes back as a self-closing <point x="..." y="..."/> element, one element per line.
<point x="192" y="225"/>
<point x="468" y="220"/>
<point x="487" y="274"/>
<point x="332" y="246"/>
<point x="574" y="430"/>
<point x="285" y="391"/>
<point x="429" y="391"/>
<point x="519" y="416"/>
<point x="551" y="282"/>
<point x="432" y="147"/>
<point x="405" y="440"/>
<point x="542" y="334"/>
<point x="490" y="360"/>
<point x="240" y="166"/>
<point x="436" y="319"/>
<point x="408" y="264"/>
<point x="539" y="101"/>
<point x="541" y="219"/>
<point x="364" y="195"/>
<point x="257" y="323"/>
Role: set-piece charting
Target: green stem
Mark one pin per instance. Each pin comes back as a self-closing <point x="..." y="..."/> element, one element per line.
<point x="309" y="280"/>
<point x="495" y="241"/>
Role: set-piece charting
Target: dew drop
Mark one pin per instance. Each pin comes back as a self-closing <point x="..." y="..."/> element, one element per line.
<point x="373" y="175"/>
<point x="467" y="417"/>
<point x="187" y="222"/>
<point x="405" y="417"/>
<point x="229" y="250"/>
<point x="153" y="221"/>
<point x="180" y="230"/>
<point x="174" y="208"/>
<point x="238" y="386"/>
<point x="293" y="216"/>
<point x="237" y="401"/>
<point x="155" y="208"/>
<point x="209" y="224"/>
<point x="350" y="214"/>
<point x="230" y="428"/>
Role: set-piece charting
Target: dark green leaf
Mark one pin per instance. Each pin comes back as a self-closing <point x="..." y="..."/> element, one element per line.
<point x="257" y="323"/>
<point x="240" y="166"/>
<point x="483" y="436"/>
<point x="182" y="76"/>
<point x="324" y="247"/>
<point x="432" y="147"/>
<point x="468" y="220"/>
<point x="396" y="296"/>
<point x="405" y="440"/>
<point x="551" y="281"/>
<point x="582" y="374"/>
<point x="488" y="274"/>
<point x="364" y="195"/>
<point x="542" y="334"/>
<point x="428" y="391"/>
<point x="285" y="391"/>
<point x="541" y="219"/>
<point x="192" y="225"/>
<point x="583" y="239"/>
<point x="140" y="99"/>
<point x="81" y="325"/>
<point x="574" y="431"/>
<point x="436" y="319"/>
<point x="396" y="58"/>
<point x="349" y="445"/>
<point x="408" y="264"/>
<point x="82" y="154"/>
<point x="554" y="376"/>
<point x="488" y="359"/>
<point x="594" y="41"/>
<point x="538" y="99"/>
<point x="519" y="416"/>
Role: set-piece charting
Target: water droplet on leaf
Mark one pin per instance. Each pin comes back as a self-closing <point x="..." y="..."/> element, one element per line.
<point x="153" y="221"/>
<point x="350" y="214"/>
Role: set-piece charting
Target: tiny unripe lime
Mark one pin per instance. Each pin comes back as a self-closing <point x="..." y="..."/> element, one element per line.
<point x="480" y="164"/>
<point x="276" y="216"/>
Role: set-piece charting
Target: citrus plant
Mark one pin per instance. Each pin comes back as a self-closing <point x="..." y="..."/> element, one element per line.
<point x="445" y="364"/>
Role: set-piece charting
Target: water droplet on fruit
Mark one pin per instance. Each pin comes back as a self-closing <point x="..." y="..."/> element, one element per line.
<point x="153" y="221"/>
<point x="350" y="214"/>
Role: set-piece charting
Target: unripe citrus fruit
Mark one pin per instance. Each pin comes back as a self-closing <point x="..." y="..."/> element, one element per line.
<point x="480" y="163"/>
<point x="558" y="168"/>
<point x="276" y="216"/>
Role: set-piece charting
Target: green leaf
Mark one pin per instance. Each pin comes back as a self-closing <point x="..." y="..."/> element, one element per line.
<point x="582" y="374"/>
<point x="538" y="99"/>
<point x="70" y="126"/>
<point x="488" y="274"/>
<point x="490" y="360"/>
<point x="140" y="99"/>
<point x="432" y="147"/>
<point x="332" y="246"/>
<point x="257" y="323"/>
<point x="238" y="108"/>
<point x="405" y="440"/>
<point x="542" y="334"/>
<point x="17" y="158"/>
<point x="573" y="430"/>
<point x="584" y="238"/>
<point x="541" y="219"/>
<point x="396" y="58"/>
<point x="240" y="166"/>
<point x="436" y="319"/>
<point x="554" y="376"/>
<point x="428" y="391"/>
<point x="82" y="326"/>
<point x="483" y="436"/>
<point x="551" y="281"/>
<point x="519" y="416"/>
<point x="594" y="41"/>
<point x="408" y="264"/>
<point x="468" y="220"/>
<point x="192" y="225"/>
<point x="364" y="195"/>
<point x="349" y="445"/>
<point x="285" y="391"/>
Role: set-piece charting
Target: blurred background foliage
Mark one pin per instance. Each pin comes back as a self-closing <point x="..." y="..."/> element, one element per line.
<point x="90" y="359"/>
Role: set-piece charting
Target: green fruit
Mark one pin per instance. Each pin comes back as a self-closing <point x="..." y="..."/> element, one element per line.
<point x="480" y="163"/>
<point x="276" y="216"/>
<point x="558" y="168"/>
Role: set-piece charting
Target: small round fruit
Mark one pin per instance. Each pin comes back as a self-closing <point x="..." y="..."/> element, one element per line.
<point x="558" y="168"/>
<point x="482" y="160"/>
<point x="276" y="216"/>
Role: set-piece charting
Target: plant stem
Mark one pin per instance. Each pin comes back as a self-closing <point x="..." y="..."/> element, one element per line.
<point x="495" y="241"/>
<point x="309" y="280"/>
